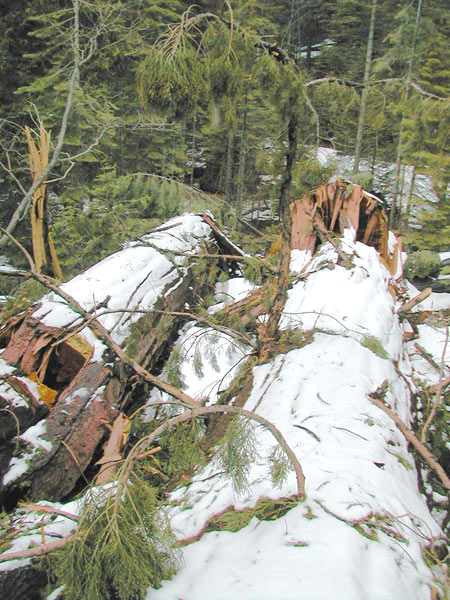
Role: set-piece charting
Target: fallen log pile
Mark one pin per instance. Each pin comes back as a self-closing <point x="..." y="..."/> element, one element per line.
<point x="80" y="386"/>
<point x="82" y="360"/>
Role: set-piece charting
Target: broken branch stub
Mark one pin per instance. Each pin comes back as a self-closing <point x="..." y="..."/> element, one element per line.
<point x="333" y="207"/>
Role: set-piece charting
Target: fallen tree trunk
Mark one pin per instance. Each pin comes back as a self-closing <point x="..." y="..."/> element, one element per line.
<point x="64" y="349"/>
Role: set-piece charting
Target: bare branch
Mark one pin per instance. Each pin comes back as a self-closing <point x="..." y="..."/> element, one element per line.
<point x="52" y="510"/>
<point x="437" y="397"/>
<point x="37" y="550"/>
<point x="409" y="435"/>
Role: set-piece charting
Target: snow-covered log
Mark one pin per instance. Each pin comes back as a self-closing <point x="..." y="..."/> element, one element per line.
<point x="362" y="532"/>
<point x="57" y="353"/>
<point x="364" y="527"/>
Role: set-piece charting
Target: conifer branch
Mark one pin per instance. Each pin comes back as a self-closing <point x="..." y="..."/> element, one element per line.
<point x="374" y="82"/>
<point x="140" y="447"/>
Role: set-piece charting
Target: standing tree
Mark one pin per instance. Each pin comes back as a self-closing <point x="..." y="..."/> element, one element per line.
<point x="206" y="54"/>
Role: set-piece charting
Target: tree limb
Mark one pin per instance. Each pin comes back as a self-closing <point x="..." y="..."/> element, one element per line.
<point x="207" y="410"/>
<point x="409" y="435"/>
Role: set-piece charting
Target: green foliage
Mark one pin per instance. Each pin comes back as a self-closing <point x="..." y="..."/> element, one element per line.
<point x="279" y="466"/>
<point x="422" y="264"/>
<point x="309" y="174"/>
<point x="240" y="381"/>
<point x="237" y="452"/>
<point x="122" y="546"/>
<point x="364" y="179"/>
<point x="172" y="368"/>
<point x="253" y="269"/>
<point x="374" y="345"/>
<point x="182" y="444"/>
<point x="265" y="509"/>
<point x="114" y="210"/>
<point x="171" y="83"/>
<point x="139" y="330"/>
<point x="20" y="298"/>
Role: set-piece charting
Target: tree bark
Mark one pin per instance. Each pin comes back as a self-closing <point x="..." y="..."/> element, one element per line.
<point x="362" y="110"/>
<point x="284" y="212"/>
<point x="92" y="399"/>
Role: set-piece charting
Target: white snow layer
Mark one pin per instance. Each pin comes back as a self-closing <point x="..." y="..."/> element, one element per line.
<point x="129" y="280"/>
<point x="361" y="482"/>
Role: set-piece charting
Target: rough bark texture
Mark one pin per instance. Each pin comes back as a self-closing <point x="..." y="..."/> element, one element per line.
<point x="90" y="394"/>
<point x="25" y="583"/>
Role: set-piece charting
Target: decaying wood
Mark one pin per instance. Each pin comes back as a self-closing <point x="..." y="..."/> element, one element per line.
<point x="113" y="449"/>
<point x="93" y="393"/>
<point x="45" y="258"/>
<point x="332" y="208"/>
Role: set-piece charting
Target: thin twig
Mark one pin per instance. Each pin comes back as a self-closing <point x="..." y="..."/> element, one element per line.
<point x="139" y="448"/>
<point x="409" y="435"/>
<point x="437" y="397"/>
<point x="49" y="509"/>
<point x="37" y="550"/>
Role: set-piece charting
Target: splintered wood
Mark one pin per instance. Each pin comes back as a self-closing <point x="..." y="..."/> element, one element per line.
<point x="333" y="207"/>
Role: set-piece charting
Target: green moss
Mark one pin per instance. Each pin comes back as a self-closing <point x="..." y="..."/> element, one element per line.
<point x="422" y="264"/>
<point x="374" y="345"/>
<point x="403" y="461"/>
<point x="265" y="509"/>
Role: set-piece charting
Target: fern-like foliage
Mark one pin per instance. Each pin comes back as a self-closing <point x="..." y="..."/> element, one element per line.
<point x="183" y="447"/>
<point x="122" y="547"/>
<point x="237" y="451"/>
<point x="279" y="466"/>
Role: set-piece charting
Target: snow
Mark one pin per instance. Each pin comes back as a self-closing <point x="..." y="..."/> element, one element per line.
<point x="435" y="301"/>
<point x="35" y="436"/>
<point x="360" y="477"/>
<point x="350" y="305"/>
<point x="361" y="532"/>
<point x="383" y="175"/>
<point x="7" y="392"/>
<point x="128" y="281"/>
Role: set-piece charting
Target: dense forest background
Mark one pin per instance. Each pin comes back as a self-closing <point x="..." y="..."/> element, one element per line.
<point x="124" y="154"/>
